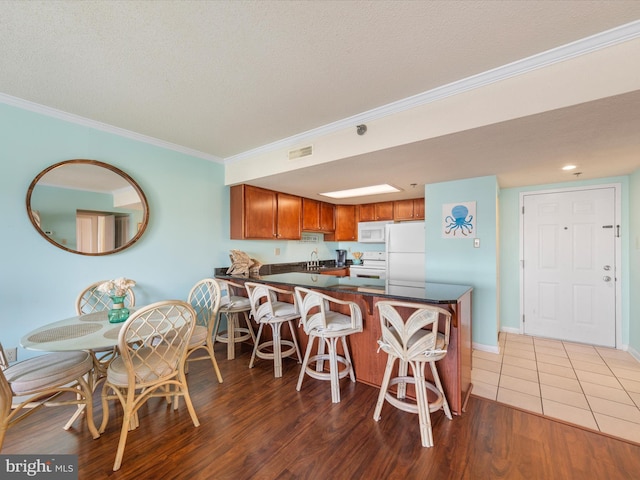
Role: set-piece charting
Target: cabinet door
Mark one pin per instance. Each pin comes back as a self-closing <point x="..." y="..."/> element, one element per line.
<point x="327" y="217"/>
<point x="403" y="210"/>
<point x="260" y="213"/>
<point x="384" y="211"/>
<point x="418" y="209"/>
<point x="367" y="212"/>
<point x="289" y="216"/>
<point x="310" y="215"/>
<point x="346" y="225"/>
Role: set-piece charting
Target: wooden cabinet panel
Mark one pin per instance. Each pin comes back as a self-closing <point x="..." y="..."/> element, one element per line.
<point x="346" y="224"/>
<point x="327" y="217"/>
<point x="374" y="212"/>
<point x="418" y="208"/>
<point x="288" y="224"/>
<point x="257" y="213"/>
<point x="412" y="209"/>
<point x="310" y="215"/>
<point x="317" y="216"/>
<point x="366" y="212"/>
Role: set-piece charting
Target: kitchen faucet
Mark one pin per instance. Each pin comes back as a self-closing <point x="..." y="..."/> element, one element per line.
<point x="313" y="263"/>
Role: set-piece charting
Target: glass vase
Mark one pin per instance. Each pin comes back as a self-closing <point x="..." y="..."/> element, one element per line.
<point x="118" y="312"/>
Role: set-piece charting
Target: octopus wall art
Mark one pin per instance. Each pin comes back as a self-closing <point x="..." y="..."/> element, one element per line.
<point x="459" y="220"/>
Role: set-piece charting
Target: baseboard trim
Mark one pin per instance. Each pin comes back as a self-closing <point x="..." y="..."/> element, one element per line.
<point x="515" y="330"/>
<point x="486" y="348"/>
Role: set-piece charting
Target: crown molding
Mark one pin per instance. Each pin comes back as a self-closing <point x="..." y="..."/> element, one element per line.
<point x="599" y="41"/>
<point x="77" y="119"/>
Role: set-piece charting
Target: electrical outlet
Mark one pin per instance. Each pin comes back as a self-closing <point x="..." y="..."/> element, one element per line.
<point x="476" y="243"/>
<point x="12" y="354"/>
<point x="277" y="251"/>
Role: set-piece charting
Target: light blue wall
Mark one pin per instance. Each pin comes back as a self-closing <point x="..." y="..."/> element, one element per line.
<point x="634" y="262"/>
<point x="187" y="235"/>
<point x="510" y="253"/>
<point x="456" y="260"/>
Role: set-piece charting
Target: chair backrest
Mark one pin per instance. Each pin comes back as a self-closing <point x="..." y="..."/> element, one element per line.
<point x="93" y="300"/>
<point x="315" y="308"/>
<point x="204" y="297"/>
<point x="399" y="328"/>
<point x="264" y="300"/>
<point x="228" y="291"/>
<point x="153" y="341"/>
<point x="4" y="361"/>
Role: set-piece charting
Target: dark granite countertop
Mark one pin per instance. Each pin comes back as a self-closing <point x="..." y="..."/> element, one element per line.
<point x="442" y="293"/>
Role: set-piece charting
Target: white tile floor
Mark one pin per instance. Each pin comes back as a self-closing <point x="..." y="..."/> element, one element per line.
<point x="594" y="387"/>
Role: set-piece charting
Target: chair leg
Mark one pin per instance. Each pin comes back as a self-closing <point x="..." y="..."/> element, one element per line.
<point x="345" y="347"/>
<point x="124" y="431"/>
<point x="255" y="346"/>
<point x="277" y="350"/>
<point x="426" y="433"/>
<point x="402" y="386"/>
<point x="295" y="341"/>
<point x="187" y="399"/>
<point x="209" y="346"/>
<point x="384" y="387"/>
<point x="249" y="327"/>
<point x="232" y="320"/>
<point x="436" y="379"/>
<point x="333" y="370"/>
<point x="305" y="362"/>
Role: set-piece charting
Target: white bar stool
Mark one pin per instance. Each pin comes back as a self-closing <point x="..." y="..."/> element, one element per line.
<point x="328" y="326"/>
<point x="413" y="339"/>
<point x="266" y="309"/>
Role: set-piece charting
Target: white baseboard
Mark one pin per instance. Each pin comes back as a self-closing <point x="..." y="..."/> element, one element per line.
<point x="634" y="353"/>
<point x="511" y="330"/>
<point x="486" y="348"/>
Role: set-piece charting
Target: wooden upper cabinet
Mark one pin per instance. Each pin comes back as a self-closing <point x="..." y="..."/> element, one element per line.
<point x="317" y="216"/>
<point x="327" y="217"/>
<point x="408" y="209"/>
<point x="346" y="224"/>
<point x="373" y="212"/>
<point x="257" y="213"/>
<point x="289" y="224"/>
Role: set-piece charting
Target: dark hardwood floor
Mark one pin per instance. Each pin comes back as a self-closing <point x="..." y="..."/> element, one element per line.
<point x="254" y="426"/>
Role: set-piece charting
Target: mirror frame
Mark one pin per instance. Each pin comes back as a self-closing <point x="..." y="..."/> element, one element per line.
<point x="97" y="163"/>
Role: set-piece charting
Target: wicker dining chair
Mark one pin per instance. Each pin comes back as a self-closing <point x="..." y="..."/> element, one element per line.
<point x="42" y="381"/>
<point x="152" y="346"/>
<point x="204" y="297"/>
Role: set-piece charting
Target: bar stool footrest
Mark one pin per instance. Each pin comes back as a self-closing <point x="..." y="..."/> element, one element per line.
<point x="408" y="404"/>
<point x="261" y="353"/>
<point x="323" y="375"/>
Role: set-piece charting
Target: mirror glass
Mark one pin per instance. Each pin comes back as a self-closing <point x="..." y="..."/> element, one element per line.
<point x="87" y="207"/>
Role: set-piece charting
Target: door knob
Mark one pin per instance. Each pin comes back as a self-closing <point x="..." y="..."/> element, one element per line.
<point x="607" y="267"/>
<point x="606" y="278"/>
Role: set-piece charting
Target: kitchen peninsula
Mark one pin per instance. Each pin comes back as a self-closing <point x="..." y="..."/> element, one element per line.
<point x="454" y="369"/>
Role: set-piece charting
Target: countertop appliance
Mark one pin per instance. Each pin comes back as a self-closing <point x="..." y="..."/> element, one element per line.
<point x="341" y="258"/>
<point x="371" y="232"/>
<point x="373" y="266"/>
<point x="405" y="243"/>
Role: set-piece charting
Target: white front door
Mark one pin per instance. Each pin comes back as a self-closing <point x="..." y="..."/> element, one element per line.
<point x="569" y="269"/>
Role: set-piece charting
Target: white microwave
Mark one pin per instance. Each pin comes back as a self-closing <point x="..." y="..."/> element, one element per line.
<point x="372" y="232"/>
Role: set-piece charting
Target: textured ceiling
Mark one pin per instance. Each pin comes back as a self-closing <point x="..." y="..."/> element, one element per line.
<point x="226" y="77"/>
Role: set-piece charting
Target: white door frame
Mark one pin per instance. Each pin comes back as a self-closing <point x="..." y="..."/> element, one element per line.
<point x="618" y="248"/>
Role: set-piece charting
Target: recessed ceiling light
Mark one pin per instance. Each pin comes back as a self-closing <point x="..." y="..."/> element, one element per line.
<point x="569" y="167"/>
<point x="359" y="192"/>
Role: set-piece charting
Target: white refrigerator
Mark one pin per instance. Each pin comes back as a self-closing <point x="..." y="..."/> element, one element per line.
<point x="405" y="246"/>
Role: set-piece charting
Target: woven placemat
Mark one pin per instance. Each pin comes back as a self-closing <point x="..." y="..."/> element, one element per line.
<point x="64" y="333"/>
<point x="94" y="316"/>
<point x="112" y="333"/>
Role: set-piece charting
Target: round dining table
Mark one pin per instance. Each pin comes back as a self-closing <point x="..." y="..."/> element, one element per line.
<point x="91" y="331"/>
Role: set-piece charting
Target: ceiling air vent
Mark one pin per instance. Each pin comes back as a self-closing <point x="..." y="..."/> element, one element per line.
<point x="301" y="152"/>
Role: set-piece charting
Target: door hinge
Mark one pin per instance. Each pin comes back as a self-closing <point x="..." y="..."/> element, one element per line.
<point x="523" y="318"/>
<point x="523" y="210"/>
